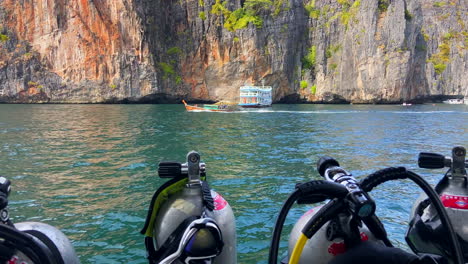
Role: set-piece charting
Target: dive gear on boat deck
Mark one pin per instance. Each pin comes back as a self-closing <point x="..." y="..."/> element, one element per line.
<point x="187" y="222"/>
<point x="426" y="233"/>
<point x="31" y="242"/>
<point x="347" y="216"/>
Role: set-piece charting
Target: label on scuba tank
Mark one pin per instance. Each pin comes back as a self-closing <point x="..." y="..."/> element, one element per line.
<point x="311" y="211"/>
<point x="16" y="260"/>
<point x="454" y="201"/>
<point x="340" y="247"/>
<point x="219" y="202"/>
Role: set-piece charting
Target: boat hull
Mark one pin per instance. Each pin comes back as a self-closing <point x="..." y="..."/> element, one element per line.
<point x="255" y="96"/>
<point x="254" y="106"/>
<point x="192" y="108"/>
<point x="453" y="101"/>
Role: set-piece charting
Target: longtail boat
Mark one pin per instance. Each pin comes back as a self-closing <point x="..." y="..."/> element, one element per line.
<point x="208" y="107"/>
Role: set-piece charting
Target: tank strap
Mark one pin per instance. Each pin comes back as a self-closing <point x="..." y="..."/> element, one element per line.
<point x="154" y="205"/>
<point x="159" y="197"/>
<point x="207" y="198"/>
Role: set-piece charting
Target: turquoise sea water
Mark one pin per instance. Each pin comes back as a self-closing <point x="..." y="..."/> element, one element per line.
<point x="91" y="169"/>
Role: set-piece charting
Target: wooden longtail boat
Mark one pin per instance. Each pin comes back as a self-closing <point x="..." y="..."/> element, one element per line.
<point x="207" y="107"/>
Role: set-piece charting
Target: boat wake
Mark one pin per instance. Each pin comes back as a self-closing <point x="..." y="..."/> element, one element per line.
<point x="342" y="112"/>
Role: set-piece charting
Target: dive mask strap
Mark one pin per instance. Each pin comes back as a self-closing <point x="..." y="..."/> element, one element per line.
<point x="182" y="243"/>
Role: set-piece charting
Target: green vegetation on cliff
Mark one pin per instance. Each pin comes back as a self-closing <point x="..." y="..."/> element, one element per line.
<point x="349" y="12"/>
<point x="308" y="62"/>
<point x="449" y="39"/>
<point x="174" y="51"/>
<point x="249" y="13"/>
<point x="408" y="15"/>
<point x="439" y="4"/>
<point x="332" y="49"/>
<point x="383" y="5"/>
<point x="168" y="68"/>
<point x="241" y="17"/>
<point x="440" y="59"/>
<point x="345" y="14"/>
<point x="313" y="89"/>
<point x="4" y="38"/>
<point x="311" y="10"/>
<point x="202" y="15"/>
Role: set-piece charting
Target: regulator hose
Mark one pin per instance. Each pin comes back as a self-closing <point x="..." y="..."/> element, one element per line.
<point x="434" y="197"/>
<point x="388" y="174"/>
<point x="325" y="214"/>
<point x="319" y="189"/>
<point x="381" y="176"/>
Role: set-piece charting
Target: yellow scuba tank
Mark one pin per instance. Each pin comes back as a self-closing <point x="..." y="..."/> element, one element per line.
<point x="187" y="220"/>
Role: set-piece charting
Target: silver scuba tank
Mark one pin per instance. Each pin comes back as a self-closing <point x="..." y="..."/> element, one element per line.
<point x="52" y="238"/>
<point x="329" y="240"/>
<point x="189" y="202"/>
<point x="31" y="242"/>
<point x="425" y="233"/>
<point x="320" y="249"/>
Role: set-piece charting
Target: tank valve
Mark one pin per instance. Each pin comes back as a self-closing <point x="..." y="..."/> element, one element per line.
<point x="193" y="168"/>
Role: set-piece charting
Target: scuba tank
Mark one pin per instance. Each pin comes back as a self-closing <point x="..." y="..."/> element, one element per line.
<point x="326" y="243"/>
<point x="344" y="229"/>
<point x="425" y="233"/>
<point x="31" y="242"/>
<point x="187" y="221"/>
<point x="348" y="218"/>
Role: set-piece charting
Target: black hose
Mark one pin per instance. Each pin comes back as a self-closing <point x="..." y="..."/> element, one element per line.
<point x="456" y="250"/>
<point x="327" y="190"/>
<point x="376" y="227"/>
<point x="23" y="242"/>
<point x="325" y="214"/>
<point x="388" y="174"/>
<point x="274" y="246"/>
<point x="381" y="176"/>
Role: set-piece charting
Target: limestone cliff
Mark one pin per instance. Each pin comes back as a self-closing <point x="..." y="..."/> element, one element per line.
<point x="384" y="51"/>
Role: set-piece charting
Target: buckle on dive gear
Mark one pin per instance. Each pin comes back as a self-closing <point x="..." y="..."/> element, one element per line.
<point x="199" y="231"/>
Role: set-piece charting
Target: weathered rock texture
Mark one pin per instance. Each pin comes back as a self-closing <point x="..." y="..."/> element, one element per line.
<point x="80" y="51"/>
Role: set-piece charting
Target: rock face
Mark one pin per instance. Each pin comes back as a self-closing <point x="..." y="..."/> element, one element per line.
<point x="82" y="51"/>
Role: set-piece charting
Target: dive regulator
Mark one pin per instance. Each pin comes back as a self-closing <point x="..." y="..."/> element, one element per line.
<point x="348" y="216"/>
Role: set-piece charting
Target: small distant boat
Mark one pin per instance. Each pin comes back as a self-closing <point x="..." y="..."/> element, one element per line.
<point x="208" y="107"/>
<point x="454" y="101"/>
<point x="255" y="96"/>
<point x="406" y="104"/>
<point x="463" y="100"/>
